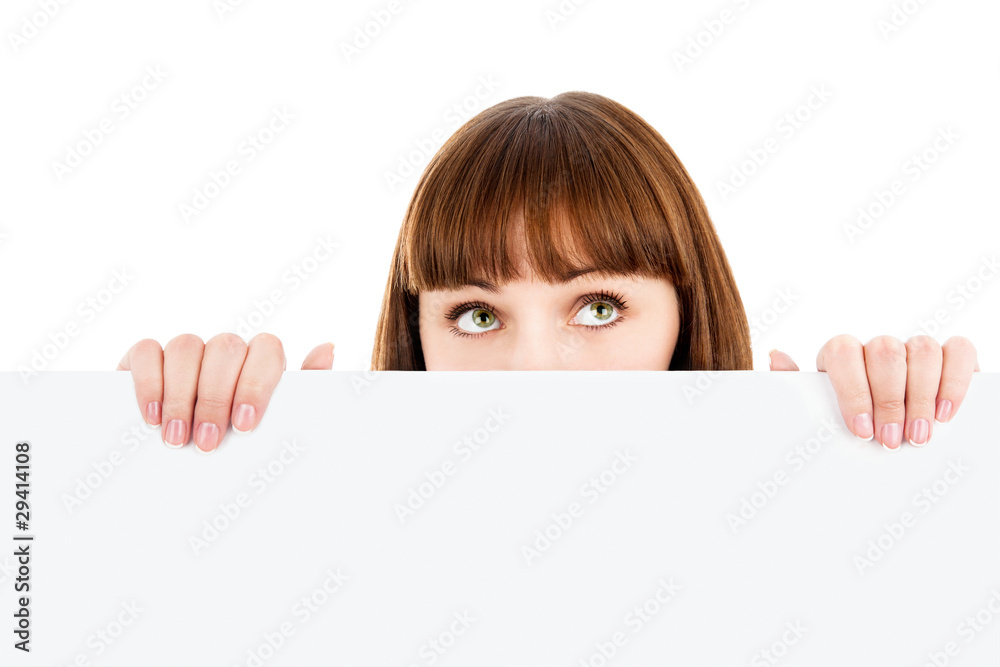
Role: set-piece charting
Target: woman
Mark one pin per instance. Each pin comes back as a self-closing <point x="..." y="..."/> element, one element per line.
<point x="558" y="233"/>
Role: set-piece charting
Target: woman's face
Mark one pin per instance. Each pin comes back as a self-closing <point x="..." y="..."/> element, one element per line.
<point x="588" y="323"/>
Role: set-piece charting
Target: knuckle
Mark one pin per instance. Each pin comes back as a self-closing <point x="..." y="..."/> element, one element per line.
<point x="959" y="344"/>
<point x="148" y="387"/>
<point x="892" y="405"/>
<point x="858" y="398"/>
<point x="841" y="346"/>
<point x="177" y="407"/>
<point x="920" y="407"/>
<point x="253" y="391"/>
<point x="185" y="343"/>
<point x="885" y="348"/>
<point x="214" y="403"/>
<point x="264" y="336"/>
<point x="950" y="381"/>
<point x="922" y="346"/>
<point x="269" y="340"/>
<point x="844" y="340"/>
<point x="147" y="345"/>
<point x="229" y="343"/>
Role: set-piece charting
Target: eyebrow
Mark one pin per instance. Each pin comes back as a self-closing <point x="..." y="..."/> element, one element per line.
<point x="493" y="289"/>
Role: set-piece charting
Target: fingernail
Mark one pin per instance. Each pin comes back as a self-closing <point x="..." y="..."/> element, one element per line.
<point x="243" y="419"/>
<point x="770" y="361"/>
<point x="892" y="436"/>
<point x="176" y="434"/>
<point x="943" y="411"/>
<point x="863" y="426"/>
<point x="153" y="413"/>
<point x="920" y="429"/>
<point x="206" y="436"/>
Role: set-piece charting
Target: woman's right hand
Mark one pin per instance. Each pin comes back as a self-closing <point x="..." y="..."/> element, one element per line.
<point x="203" y="386"/>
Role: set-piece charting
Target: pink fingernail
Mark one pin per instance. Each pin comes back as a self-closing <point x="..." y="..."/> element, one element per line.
<point x="153" y="413"/>
<point x="863" y="426"/>
<point x="243" y="419"/>
<point x="943" y="411"/>
<point x="921" y="429"/>
<point x="206" y="436"/>
<point x="892" y="436"/>
<point x="176" y="433"/>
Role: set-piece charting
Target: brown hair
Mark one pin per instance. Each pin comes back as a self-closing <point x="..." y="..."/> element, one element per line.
<point x="577" y="164"/>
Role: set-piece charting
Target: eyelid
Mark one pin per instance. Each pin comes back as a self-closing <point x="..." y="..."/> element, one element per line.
<point x="616" y="300"/>
<point x="461" y="308"/>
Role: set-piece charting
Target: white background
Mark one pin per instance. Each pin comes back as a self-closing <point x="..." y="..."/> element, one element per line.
<point x="357" y="118"/>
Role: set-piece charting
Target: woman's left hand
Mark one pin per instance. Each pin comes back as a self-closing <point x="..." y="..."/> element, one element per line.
<point x="912" y="384"/>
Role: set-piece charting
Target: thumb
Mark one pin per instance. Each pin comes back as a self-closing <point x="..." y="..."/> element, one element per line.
<point x="780" y="361"/>
<point x="319" y="359"/>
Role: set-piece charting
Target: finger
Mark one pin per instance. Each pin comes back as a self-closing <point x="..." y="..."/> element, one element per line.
<point x="885" y="362"/>
<point x="320" y="358"/>
<point x="181" y="365"/>
<point x="779" y="361"/>
<point x="260" y="375"/>
<point x="959" y="363"/>
<point x="145" y="361"/>
<point x="923" y="376"/>
<point x="843" y="360"/>
<point x="220" y="368"/>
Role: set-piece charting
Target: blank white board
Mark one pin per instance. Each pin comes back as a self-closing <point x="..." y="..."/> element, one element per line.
<point x="483" y="518"/>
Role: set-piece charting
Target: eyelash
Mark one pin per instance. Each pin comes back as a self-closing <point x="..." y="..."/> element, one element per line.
<point x="615" y="300"/>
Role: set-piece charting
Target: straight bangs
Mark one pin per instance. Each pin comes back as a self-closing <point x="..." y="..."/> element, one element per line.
<point x="588" y="195"/>
<point x="596" y="188"/>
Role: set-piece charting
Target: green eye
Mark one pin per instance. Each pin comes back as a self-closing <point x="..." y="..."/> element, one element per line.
<point x="601" y="310"/>
<point x="482" y="318"/>
<point x="597" y="314"/>
<point x="474" y="321"/>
